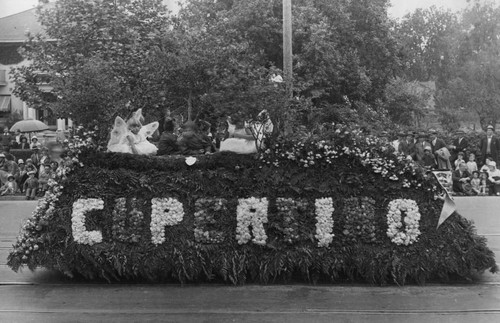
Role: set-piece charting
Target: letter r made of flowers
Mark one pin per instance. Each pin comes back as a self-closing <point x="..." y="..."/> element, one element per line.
<point x="251" y="212"/>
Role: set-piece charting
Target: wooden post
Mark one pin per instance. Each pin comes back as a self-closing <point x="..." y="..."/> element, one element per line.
<point x="287" y="46"/>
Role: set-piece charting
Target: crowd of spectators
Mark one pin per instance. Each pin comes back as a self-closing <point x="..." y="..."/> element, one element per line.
<point x="472" y="174"/>
<point x="29" y="176"/>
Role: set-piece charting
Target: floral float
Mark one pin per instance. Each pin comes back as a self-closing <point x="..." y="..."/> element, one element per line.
<point x="338" y="210"/>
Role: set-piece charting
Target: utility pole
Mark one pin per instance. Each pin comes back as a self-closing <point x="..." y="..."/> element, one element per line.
<point x="287" y="46"/>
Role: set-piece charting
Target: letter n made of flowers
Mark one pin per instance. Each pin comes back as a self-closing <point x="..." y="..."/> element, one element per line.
<point x="251" y="212"/>
<point x="164" y="212"/>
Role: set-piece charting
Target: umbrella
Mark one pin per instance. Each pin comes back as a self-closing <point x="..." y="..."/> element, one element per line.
<point x="29" y="125"/>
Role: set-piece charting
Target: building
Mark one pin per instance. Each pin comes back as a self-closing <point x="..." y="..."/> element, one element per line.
<point x="13" y="30"/>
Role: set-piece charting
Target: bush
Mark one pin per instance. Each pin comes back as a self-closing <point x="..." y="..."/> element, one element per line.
<point x="204" y="246"/>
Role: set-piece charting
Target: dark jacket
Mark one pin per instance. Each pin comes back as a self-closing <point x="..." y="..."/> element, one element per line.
<point x="460" y="146"/>
<point x="494" y="147"/>
<point x="167" y="144"/>
<point x="439" y="144"/>
<point x="456" y="176"/>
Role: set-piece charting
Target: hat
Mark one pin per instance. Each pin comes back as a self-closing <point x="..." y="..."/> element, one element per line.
<point x="427" y="148"/>
<point x="490" y="127"/>
<point x="433" y="131"/>
<point x="10" y="176"/>
<point x="2" y="155"/>
<point x="34" y="137"/>
<point x="460" y="131"/>
<point x="29" y="160"/>
<point x="31" y="172"/>
<point x="492" y="163"/>
<point x="20" y="161"/>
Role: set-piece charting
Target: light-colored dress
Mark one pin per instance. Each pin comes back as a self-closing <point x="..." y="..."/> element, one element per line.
<point x="143" y="146"/>
<point x="238" y="145"/>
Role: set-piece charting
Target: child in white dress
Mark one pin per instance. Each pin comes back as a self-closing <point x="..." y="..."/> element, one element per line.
<point x="131" y="137"/>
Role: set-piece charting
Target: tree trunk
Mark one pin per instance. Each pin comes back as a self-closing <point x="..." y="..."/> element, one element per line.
<point x="190" y="106"/>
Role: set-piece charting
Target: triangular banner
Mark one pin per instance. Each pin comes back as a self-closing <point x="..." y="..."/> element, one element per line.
<point x="449" y="206"/>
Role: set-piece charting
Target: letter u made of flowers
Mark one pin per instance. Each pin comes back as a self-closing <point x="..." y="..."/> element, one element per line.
<point x="324" y="221"/>
<point x="80" y="209"/>
<point x="411" y="222"/>
<point x="164" y="211"/>
<point x="251" y="212"/>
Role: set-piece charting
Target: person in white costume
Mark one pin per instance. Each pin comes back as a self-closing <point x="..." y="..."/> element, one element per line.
<point x="131" y="137"/>
<point x="246" y="139"/>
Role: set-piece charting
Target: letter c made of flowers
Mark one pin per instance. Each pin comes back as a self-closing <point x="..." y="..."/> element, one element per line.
<point x="80" y="209"/>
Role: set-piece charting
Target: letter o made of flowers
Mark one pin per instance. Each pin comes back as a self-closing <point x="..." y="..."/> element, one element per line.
<point x="411" y="222"/>
<point x="324" y="221"/>
<point x="80" y="233"/>
<point x="251" y="212"/>
<point x="164" y="212"/>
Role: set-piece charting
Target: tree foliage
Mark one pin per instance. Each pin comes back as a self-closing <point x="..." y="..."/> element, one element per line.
<point x="214" y="58"/>
<point x="460" y="53"/>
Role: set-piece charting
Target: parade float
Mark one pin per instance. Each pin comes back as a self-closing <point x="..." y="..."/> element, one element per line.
<point x="343" y="209"/>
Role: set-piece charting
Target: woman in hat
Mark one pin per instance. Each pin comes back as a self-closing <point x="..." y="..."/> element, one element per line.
<point x="34" y="142"/>
<point x="10" y="187"/>
<point x="24" y="143"/>
<point x="494" y="178"/>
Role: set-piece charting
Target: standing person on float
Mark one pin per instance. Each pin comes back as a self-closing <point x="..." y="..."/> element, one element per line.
<point x="459" y="145"/>
<point x="489" y="146"/>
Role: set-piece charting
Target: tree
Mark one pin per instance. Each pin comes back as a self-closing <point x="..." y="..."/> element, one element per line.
<point x="94" y="54"/>
<point x="427" y="40"/>
<point x="476" y="75"/>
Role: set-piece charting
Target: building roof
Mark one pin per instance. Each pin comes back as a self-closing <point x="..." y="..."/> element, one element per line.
<point x="13" y="28"/>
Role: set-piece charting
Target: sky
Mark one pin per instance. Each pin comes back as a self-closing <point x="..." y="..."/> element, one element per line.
<point x="399" y="7"/>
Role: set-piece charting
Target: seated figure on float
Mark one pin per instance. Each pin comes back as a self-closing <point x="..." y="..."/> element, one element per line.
<point x="131" y="137"/>
<point x="247" y="139"/>
<point x="191" y="141"/>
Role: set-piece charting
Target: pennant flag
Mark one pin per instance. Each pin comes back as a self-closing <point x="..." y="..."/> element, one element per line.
<point x="449" y="206"/>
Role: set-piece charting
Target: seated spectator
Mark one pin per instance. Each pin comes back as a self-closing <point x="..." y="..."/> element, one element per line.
<point x="23" y="144"/>
<point x="485" y="167"/>
<point x="461" y="180"/>
<point x="30" y="167"/>
<point x="168" y="140"/>
<point x="475" y="182"/>
<point x="428" y="159"/>
<point x="471" y="164"/>
<point x="494" y="178"/>
<point x="7" y="167"/>
<point x="484" y="183"/>
<point x="31" y="186"/>
<point x="191" y="141"/>
<point x="6" y="137"/>
<point x="8" y="155"/>
<point x="34" y="142"/>
<point x="10" y="187"/>
<point x="460" y="159"/>
<point x="43" y="178"/>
